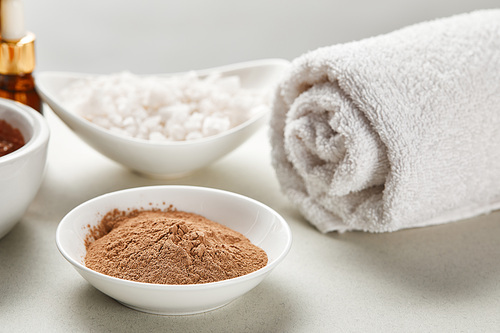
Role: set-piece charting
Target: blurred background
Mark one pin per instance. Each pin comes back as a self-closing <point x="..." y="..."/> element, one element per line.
<point x="161" y="36"/>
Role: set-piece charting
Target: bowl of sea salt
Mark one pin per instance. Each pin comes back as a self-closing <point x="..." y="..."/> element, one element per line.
<point x="167" y="125"/>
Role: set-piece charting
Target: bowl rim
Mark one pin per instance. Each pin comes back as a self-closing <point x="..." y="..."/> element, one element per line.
<point x="171" y="287"/>
<point x="36" y="121"/>
<point x="49" y="98"/>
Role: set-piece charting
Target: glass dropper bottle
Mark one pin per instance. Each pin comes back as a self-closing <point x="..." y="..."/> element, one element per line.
<point x="17" y="56"/>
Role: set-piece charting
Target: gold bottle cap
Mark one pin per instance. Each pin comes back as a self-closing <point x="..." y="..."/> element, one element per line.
<point x="18" y="57"/>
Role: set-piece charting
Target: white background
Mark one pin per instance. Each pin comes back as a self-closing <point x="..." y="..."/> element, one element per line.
<point x="152" y="36"/>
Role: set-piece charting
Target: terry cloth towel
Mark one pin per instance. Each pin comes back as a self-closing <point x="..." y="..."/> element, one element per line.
<point x="396" y="131"/>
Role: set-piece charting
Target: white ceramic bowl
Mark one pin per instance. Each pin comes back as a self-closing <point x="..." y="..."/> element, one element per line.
<point x="21" y="171"/>
<point x="262" y="225"/>
<point x="172" y="159"/>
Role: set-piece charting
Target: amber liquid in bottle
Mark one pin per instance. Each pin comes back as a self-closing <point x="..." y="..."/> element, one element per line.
<point x="20" y="88"/>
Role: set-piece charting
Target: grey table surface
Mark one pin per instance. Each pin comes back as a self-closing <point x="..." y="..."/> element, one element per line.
<point x="436" y="279"/>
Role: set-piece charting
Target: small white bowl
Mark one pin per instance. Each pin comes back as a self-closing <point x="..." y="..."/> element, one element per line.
<point x="165" y="159"/>
<point x="259" y="223"/>
<point x="21" y="171"/>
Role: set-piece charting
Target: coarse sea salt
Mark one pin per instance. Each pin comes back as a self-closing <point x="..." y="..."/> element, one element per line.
<point x="173" y="108"/>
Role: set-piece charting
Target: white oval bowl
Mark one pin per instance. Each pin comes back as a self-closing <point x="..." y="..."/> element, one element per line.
<point x="21" y="171"/>
<point x="165" y="159"/>
<point x="259" y="223"/>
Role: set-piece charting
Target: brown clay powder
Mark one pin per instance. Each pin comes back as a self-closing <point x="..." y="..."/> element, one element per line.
<point x="169" y="247"/>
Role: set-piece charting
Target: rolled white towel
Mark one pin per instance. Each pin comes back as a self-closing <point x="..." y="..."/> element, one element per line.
<point x="396" y="131"/>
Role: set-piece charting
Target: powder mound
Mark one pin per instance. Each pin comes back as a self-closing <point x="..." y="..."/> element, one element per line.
<point x="169" y="247"/>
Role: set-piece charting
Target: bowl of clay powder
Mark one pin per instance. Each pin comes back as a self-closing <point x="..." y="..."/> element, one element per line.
<point x="168" y="125"/>
<point x="173" y="250"/>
